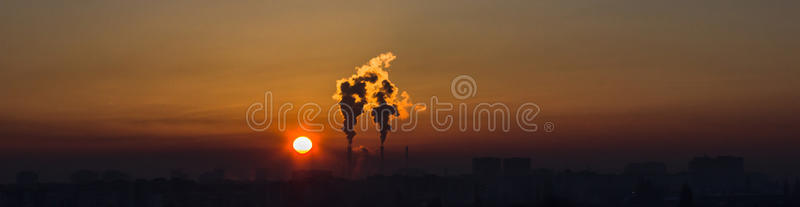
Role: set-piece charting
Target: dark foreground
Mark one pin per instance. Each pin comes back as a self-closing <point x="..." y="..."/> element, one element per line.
<point x="717" y="181"/>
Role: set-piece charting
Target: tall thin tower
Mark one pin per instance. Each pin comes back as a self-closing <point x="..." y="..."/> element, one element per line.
<point x="349" y="170"/>
<point x="381" y="158"/>
<point x="406" y="156"/>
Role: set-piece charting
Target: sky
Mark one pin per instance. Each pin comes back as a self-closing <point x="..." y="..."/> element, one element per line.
<point x="119" y="84"/>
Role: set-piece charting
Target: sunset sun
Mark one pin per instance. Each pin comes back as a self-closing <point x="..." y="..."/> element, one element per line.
<point x="302" y="145"/>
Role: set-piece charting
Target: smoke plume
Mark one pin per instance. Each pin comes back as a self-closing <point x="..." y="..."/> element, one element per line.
<point x="384" y="110"/>
<point x="371" y="90"/>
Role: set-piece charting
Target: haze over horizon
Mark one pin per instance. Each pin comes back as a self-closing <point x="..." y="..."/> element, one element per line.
<point x="118" y="84"/>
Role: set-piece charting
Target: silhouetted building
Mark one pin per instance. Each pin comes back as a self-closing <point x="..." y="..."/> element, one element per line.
<point x="645" y="194"/>
<point x="414" y="172"/>
<point x="311" y="175"/>
<point x="516" y="166"/>
<point x="721" y="164"/>
<point x="84" y="177"/>
<point x="486" y="166"/>
<point x="27" y="178"/>
<point x="646" y="169"/>
<point x="114" y="175"/>
<point x="178" y="174"/>
<point x="686" y="196"/>
<point x="723" y="174"/>
<point x="214" y="176"/>
<point x="261" y="175"/>
<point x="413" y="187"/>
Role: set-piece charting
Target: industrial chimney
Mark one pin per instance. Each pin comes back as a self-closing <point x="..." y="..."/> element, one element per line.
<point x="406" y="156"/>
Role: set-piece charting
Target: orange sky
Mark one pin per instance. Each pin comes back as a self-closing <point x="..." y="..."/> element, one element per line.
<point x="611" y="74"/>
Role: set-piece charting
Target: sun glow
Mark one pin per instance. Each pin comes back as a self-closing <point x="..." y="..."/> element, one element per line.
<point x="302" y="145"/>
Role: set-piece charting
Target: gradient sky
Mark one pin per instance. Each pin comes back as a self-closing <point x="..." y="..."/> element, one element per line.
<point x="631" y="80"/>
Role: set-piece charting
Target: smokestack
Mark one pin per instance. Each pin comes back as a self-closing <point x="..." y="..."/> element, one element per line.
<point x="381" y="114"/>
<point x="353" y="98"/>
<point x="406" y="156"/>
<point x="370" y="88"/>
<point x="381" y="117"/>
<point x="349" y="168"/>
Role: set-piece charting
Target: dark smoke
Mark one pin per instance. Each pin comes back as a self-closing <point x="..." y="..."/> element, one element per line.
<point x="381" y="114"/>
<point x="351" y="106"/>
<point x="353" y="98"/>
<point x="370" y="89"/>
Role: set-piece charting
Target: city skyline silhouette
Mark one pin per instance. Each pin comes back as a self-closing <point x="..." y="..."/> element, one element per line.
<point x="409" y="103"/>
